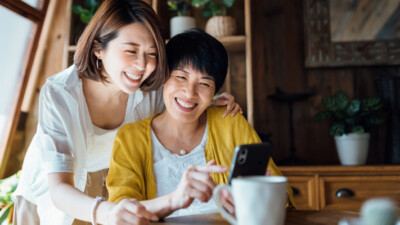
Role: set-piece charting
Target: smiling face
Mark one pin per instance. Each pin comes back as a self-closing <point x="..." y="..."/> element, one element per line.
<point x="187" y="93"/>
<point x="130" y="58"/>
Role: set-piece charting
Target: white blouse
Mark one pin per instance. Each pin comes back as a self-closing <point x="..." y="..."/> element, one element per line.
<point x="169" y="168"/>
<point x="61" y="140"/>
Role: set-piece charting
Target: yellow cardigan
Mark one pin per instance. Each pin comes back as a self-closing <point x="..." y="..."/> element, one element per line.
<point x="131" y="167"/>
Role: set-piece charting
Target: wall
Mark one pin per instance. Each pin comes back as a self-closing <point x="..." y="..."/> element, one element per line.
<point x="278" y="54"/>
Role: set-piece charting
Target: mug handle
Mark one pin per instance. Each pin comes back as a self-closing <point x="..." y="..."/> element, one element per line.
<point x="217" y="201"/>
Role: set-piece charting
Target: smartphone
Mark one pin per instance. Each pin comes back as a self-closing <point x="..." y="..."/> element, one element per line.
<point x="249" y="160"/>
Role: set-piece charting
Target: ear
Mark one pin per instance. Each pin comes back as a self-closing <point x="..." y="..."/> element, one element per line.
<point x="96" y="49"/>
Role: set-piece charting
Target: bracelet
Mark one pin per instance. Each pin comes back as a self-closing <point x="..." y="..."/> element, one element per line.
<point x="94" y="207"/>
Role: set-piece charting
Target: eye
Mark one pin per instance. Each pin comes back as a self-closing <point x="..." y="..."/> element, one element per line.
<point x="205" y="84"/>
<point x="131" y="51"/>
<point x="180" y="77"/>
<point x="153" y="54"/>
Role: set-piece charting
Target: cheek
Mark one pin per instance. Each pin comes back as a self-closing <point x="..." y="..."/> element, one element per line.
<point x="151" y="64"/>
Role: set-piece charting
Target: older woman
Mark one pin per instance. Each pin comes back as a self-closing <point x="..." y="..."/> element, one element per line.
<point x="162" y="161"/>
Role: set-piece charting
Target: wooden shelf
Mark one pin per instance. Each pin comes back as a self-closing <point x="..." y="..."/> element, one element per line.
<point x="71" y="48"/>
<point x="231" y="43"/>
<point x="234" y="43"/>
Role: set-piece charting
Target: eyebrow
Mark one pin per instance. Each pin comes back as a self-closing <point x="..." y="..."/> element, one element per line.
<point x="207" y="77"/>
<point x="135" y="44"/>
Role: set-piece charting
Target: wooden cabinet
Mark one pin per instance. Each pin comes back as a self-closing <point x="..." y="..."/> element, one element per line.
<point x="342" y="187"/>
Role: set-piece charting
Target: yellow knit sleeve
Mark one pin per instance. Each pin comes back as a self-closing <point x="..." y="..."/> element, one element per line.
<point x="125" y="177"/>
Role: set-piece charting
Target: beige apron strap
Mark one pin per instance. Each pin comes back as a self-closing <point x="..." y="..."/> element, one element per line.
<point x="95" y="186"/>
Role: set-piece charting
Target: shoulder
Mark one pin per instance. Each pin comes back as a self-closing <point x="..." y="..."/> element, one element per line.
<point x="136" y="129"/>
<point x="64" y="83"/>
<point x="214" y="115"/>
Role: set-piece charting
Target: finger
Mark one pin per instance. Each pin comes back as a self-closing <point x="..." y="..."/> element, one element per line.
<point x="211" y="162"/>
<point x="200" y="191"/>
<point x="210" y="168"/>
<point x="134" y="206"/>
<point x="201" y="178"/>
<point x="125" y="217"/>
<point x="235" y="110"/>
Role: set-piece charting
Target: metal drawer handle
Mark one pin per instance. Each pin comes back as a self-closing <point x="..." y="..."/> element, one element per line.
<point x="344" y="193"/>
<point x="295" y="191"/>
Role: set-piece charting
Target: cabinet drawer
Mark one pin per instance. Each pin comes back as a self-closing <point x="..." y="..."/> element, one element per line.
<point x="349" y="193"/>
<point x="304" y="191"/>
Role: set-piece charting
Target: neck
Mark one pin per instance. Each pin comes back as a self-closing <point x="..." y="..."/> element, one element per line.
<point x="102" y="92"/>
<point x="176" y="135"/>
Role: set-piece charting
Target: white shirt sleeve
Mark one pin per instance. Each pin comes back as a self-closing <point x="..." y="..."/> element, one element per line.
<point x="53" y="130"/>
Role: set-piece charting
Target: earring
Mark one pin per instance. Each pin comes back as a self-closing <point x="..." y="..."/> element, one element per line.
<point x="98" y="63"/>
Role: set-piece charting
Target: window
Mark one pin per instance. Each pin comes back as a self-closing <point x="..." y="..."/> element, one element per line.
<point x="20" y="25"/>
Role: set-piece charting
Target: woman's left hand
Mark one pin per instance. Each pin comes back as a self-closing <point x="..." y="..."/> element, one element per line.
<point x="231" y="106"/>
<point x="227" y="201"/>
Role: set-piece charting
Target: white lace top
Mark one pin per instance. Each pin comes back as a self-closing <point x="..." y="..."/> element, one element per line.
<point x="169" y="168"/>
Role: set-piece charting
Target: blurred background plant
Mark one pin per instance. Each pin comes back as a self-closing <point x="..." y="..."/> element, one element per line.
<point x="180" y="7"/>
<point x="86" y="13"/>
<point x="7" y="187"/>
<point x="212" y="7"/>
<point x="357" y="116"/>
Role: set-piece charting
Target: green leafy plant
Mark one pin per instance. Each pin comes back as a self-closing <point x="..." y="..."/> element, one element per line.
<point x="86" y="13"/>
<point x="7" y="187"/>
<point x="212" y="8"/>
<point x="355" y="116"/>
<point x="181" y="7"/>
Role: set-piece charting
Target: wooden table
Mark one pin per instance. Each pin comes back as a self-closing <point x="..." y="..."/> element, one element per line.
<point x="292" y="218"/>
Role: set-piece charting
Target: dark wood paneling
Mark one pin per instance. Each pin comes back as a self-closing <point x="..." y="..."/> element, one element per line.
<point x="278" y="53"/>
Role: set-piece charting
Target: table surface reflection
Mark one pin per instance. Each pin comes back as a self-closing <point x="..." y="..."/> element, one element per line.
<point x="292" y="218"/>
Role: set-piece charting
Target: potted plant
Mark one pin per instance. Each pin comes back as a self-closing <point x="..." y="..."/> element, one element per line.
<point x="7" y="187"/>
<point x="182" y="21"/>
<point x="219" y="24"/>
<point x="86" y="13"/>
<point x="351" y="124"/>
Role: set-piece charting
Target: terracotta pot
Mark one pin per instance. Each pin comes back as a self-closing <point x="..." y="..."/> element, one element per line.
<point x="179" y="24"/>
<point x="219" y="26"/>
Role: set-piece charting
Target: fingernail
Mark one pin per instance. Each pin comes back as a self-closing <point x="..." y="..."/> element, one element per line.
<point x="223" y="115"/>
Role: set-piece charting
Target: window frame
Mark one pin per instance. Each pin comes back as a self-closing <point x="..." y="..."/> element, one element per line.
<point x="36" y="16"/>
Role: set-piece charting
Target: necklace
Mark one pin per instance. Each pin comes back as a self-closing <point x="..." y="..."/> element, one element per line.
<point x="182" y="152"/>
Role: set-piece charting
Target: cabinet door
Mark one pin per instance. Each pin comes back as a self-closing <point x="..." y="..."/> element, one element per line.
<point x="304" y="191"/>
<point x="349" y="193"/>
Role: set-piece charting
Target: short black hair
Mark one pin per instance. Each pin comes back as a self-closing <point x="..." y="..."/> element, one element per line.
<point x="201" y="51"/>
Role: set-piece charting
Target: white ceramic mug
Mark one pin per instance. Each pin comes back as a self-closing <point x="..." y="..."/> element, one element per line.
<point x="259" y="200"/>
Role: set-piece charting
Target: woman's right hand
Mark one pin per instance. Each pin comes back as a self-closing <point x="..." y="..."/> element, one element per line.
<point x="127" y="211"/>
<point x="195" y="183"/>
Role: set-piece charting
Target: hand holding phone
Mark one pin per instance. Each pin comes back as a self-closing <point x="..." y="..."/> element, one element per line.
<point x="250" y="160"/>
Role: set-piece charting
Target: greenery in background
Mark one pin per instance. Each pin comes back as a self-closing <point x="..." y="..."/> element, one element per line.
<point x="181" y="7"/>
<point x="7" y="187"/>
<point x="212" y="8"/>
<point x="357" y="116"/>
<point x="86" y="13"/>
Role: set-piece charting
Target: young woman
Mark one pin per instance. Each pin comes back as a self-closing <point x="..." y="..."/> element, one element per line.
<point x="165" y="166"/>
<point x="120" y="64"/>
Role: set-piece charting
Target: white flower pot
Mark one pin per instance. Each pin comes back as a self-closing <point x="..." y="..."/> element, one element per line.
<point x="353" y="148"/>
<point x="179" y="24"/>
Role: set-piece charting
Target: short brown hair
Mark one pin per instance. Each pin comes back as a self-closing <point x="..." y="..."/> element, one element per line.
<point x="104" y="26"/>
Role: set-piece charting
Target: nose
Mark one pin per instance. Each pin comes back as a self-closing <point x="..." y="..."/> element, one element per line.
<point x="191" y="90"/>
<point x="140" y="62"/>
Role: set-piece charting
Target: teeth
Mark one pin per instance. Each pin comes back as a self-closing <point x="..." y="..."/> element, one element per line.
<point x="184" y="104"/>
<point x="133" y="77"/>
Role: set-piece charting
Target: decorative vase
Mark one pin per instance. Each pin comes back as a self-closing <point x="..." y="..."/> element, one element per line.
<point x="353" y="148"/>
<point x="219" y="26"/>
<point x="180" y="24"/>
